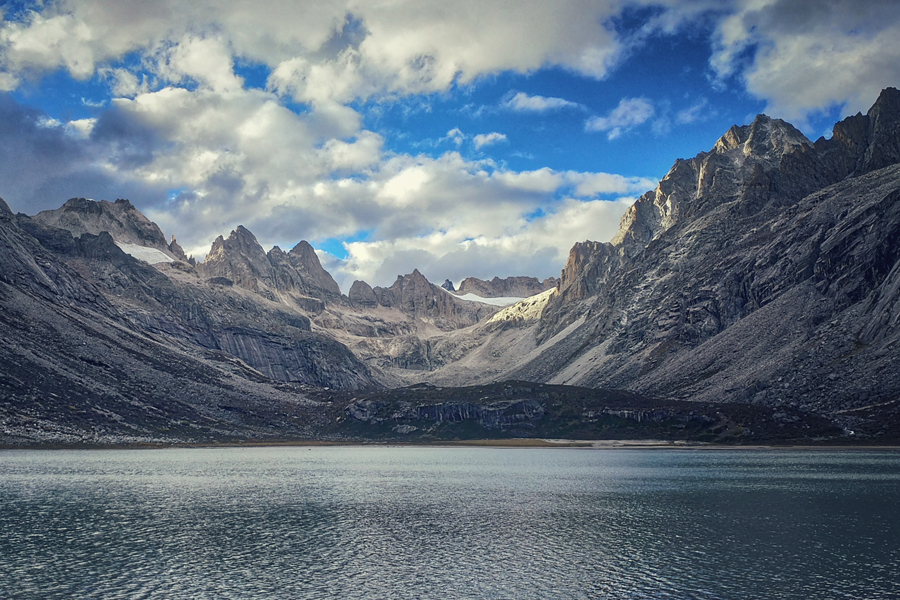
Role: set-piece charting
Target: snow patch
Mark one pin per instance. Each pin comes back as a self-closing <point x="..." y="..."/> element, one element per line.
<point x="503" y="301"/>
<point x="148" y="255"/>
<point x="529" y="309"/>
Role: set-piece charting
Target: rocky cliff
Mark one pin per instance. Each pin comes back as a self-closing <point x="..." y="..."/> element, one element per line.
<point x="510" y="287"/>
<point x="417" y="297"/>
<point x="120" y="219"/>
<point x="763" y="270"/>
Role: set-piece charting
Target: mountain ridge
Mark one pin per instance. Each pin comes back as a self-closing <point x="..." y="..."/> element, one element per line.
<point x="765" y="271"/>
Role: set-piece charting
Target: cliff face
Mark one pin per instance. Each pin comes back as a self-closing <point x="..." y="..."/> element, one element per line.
<point x="171" y="302"/>
<point x="763" y="270"/>
<point x="510" y="287"/>
<point x="120" y="219"/>
<point x="417" y="297"/>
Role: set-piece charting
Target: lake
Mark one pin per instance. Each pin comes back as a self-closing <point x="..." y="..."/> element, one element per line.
<point x="448" y="523"/>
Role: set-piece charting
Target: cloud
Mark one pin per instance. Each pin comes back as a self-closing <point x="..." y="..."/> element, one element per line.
<point x="630" y="113"/>
<point x="594" y="184"/>
<point x="44" y="162"/>
<point x="334" y="50"/>
<point x="240" y="157"/>
<point x="695" y="112"/>
<point x="803" y="57"/>
<point x="486" y="139"/>
<point x="297" y="160"/>
<point x="457" y="137"/>
<point x="522" y="102"/>
<point x="453" y="255"/>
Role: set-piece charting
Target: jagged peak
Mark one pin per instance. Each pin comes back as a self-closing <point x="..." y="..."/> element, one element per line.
<point x="242" y="232"/>
<point x="303" y="248"/>
<point x="120" y="219"/>
<point x="761" y="137"/>
<point x="888" y="102"/>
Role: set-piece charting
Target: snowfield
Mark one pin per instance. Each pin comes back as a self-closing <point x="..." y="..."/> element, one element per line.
<point x="148" y="255"/>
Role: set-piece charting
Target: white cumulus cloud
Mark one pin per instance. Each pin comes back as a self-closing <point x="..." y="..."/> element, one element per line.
<point x="629" y="113"/>
<point x="806" y="56"/>
<point x="486" y="139"/>
<point x="522" y="102"/>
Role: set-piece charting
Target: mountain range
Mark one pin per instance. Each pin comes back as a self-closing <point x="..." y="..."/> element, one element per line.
<point x="763" y="274"/>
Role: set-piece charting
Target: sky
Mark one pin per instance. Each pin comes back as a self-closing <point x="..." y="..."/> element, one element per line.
<point x="463" y="138"/>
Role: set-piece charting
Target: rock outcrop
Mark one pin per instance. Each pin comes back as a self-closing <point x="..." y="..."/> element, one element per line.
<point x="120" y="219"/>
<point x="415" y="296"/>
<point x="510" y="287"/>
<point x="297" y="274"/>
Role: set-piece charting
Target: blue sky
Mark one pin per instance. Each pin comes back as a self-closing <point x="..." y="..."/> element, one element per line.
<point x="462" y="139"/>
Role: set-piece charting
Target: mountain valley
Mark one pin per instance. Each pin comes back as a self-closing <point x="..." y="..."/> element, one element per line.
<point x="752" y="297"/>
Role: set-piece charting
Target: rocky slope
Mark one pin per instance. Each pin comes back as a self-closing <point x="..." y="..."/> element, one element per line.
<point x="764" y="270"/>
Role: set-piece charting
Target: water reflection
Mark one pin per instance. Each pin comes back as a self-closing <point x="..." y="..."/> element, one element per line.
<point x="448" y="523"/>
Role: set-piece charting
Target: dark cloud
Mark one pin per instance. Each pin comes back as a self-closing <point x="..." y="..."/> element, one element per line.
<point x="42" y="164"/>
<point x="127" y="142"/>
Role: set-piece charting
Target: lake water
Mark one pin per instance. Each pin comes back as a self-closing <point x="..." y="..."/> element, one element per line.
<point x="446" y="523"/>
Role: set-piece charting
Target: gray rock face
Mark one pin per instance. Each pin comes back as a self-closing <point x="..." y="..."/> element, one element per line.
<point x="177" y="251"/>
<point x="362" y="295"/>
<point x="297" y="273"/>
<point x="766" y="163"/>
<point x="415" y="296"/>
<point x="93" y="274"/>
<point x="313" y="277"/>
<point x="241" y="259"/>
<point x="510" y="287"/>
<point x="120" y="219"/>
<point x="764" y="270"/>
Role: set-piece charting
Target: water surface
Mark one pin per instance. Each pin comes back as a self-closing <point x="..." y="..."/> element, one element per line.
<point x="449" y="523"/>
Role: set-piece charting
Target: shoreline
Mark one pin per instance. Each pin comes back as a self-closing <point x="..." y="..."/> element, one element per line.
<point x="523" y="443"/>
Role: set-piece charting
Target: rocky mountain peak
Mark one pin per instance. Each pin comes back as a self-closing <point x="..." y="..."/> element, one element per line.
<point x="5" y="211"/>
<point x="125" y="223"/>
<point x="448" y="285"/>
<point x="764" y="137"/>
<point x="517" y="286"/>
<point x="770" y="138"/>
<point x="304" y="259"/>
<point x="766" y="164"/>
<point x="299" y="272"/>
<point x="177" y="251"/>
<point x="417" y="297"/>
<point x="883" y="134"/>
<point x="239" y="258"/>
<point x="362" y="295"/>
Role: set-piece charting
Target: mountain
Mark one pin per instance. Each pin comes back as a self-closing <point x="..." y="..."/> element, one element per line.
<point x="120" y="219"/>
<point x="765" y="270"/>
<point x="510" y="287"/>
<point x="754" y="294"/>
<point x="296" y="277"/>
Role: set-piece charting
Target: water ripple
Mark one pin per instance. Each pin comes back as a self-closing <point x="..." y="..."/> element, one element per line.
<point x="391" y="523"/>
